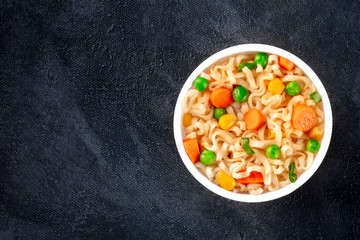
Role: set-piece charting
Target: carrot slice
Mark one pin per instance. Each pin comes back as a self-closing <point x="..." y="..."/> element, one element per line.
<point x="254" y="119"/>
<point x="286" y="63"/>
<point x="192" y="149"/>
<point x="221" y="97"/>
<point x="303" y="117"/>
<point x="254" y="177"/>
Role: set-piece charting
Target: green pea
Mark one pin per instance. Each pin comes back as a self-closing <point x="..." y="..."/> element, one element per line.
<point x="250" y="66"/>
<point x="207" y="157"/>
<point x="313" y="146"/>
<point x="273" y="151"/>
<point x="201" y="83"/>
<point x="218" y="112"/>
<point x="293" y="88"/>
<point x="240" y="94"/>
<point x="262" y="59"/>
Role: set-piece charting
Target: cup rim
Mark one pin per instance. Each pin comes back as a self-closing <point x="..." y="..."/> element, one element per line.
<point x="245" y="197"/>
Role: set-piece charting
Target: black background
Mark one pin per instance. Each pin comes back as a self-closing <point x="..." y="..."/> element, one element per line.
<point x="88" y="90"/>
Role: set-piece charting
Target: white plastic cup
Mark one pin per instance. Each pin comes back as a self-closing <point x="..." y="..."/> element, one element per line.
<point x="253" y="49"/>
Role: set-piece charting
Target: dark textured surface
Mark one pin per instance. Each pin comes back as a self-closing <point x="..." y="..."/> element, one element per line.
<point x="87" y="95"/>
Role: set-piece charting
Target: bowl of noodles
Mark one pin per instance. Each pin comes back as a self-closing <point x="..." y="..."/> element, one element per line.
<point x="252" y="123"/>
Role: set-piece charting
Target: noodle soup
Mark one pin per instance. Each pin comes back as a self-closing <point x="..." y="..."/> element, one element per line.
<point x="252" y="123"/>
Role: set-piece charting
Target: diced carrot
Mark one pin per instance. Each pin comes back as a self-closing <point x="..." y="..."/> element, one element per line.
<point x="303" y="117"/>
<point x="254" y="119"/>
<point x="286" y="63"/>
<point x="201" y="146"/>
<point x="192" y="149"/>
<point x="221" y="97"/>
<point x="254" y="177"/>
